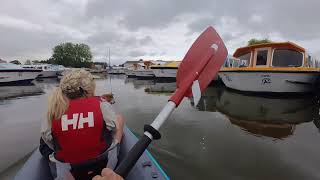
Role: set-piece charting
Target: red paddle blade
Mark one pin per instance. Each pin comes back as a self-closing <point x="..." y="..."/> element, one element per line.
<point x="202" y="62"/>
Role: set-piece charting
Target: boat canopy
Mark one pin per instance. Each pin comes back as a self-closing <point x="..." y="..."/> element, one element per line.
<point x="279" y="45"/>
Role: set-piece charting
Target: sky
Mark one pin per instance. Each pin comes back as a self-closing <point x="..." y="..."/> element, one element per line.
<point x="150" y="29"/>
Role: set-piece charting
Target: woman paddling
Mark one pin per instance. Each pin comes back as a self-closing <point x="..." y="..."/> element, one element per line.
<point x="82" y="129"/>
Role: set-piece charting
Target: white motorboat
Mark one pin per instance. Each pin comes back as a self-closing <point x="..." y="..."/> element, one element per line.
<point x="168" y="70"/>
<point x="48" y="70"/>
<point x="140" y="70"/>
<point x="144" y="73"/>
<point x="271" y="68"/>
<point x="116" y="70"/>
<point x="130" y="73"/>
<point x="14" y="74"/>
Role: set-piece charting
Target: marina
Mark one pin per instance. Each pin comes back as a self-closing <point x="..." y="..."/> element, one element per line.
<point x="159" y="90"/>
<point x="277" y="81"/>
<point x="263" y="131"/>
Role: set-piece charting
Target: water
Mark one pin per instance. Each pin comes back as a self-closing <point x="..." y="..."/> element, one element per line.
<point x="227" y="136"/>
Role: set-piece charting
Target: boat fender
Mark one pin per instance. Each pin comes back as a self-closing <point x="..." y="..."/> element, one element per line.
<point x="155" y="133"/>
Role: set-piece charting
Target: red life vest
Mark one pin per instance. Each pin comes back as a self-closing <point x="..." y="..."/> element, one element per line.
<point x="78" y="135"/>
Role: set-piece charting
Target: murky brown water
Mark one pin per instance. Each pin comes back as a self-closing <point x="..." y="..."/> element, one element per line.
<point x="227" y="136"/>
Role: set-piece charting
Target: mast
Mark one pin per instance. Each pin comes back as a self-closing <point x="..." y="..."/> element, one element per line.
<point x="109" y="57"/>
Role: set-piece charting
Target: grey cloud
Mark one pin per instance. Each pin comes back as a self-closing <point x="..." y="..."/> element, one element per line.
<point x="19" y="44"/>
<point x="104" y="37"/>
<point x="147" y="40"/>
<point x="144" y="14"/>
<point x="131" y="28"/>
<point x="200" y="24"/>
<point x="136" y="53"/>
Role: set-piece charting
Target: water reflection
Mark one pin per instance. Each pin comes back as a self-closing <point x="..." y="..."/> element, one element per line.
<point x="47" y="84"/>
<point x="193" y="142"/>
<point x="139" y="83"/>
<point x="208" y="98"/>
<point x="7" y="92"/>
<point x="164" y="88"/>
<point x="274" y="117"/>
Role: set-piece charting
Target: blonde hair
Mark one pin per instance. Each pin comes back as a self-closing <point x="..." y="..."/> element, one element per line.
<point x="76" y="84"/>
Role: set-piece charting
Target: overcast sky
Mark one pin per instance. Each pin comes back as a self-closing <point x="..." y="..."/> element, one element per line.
<point x="150" y="29"/>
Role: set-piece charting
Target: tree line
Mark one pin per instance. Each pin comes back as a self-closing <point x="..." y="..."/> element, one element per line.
<point x="79" y="55"/>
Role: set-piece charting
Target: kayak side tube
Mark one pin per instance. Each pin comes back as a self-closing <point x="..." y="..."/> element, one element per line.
<point x="146" y="168"/>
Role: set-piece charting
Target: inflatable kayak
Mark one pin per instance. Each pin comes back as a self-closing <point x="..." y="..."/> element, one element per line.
<point x="37" y="168"/>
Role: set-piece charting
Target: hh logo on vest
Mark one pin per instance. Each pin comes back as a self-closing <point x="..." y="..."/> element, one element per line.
<point x="77" y="121"/>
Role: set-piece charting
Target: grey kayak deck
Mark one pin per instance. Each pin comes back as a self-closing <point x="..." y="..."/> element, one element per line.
<point x="37" y="168"/>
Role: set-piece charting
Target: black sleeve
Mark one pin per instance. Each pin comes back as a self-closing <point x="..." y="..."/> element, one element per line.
<point x="44" y="149"/>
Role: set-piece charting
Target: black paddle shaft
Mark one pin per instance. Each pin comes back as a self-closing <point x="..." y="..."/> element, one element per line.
<point x="132" y="157"/>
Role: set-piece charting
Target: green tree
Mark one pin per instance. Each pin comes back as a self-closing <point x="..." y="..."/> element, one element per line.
<point x="258" y="41"/>
<point x="72" y="55"/>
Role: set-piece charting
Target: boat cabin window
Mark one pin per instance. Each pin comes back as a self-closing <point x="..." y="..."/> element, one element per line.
<point x="262" y="57"/>
<point x="245" y="59"/>
<point x="287" y="58"/>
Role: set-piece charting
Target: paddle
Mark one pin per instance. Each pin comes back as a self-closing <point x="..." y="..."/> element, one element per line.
<point x="198" y="68"/>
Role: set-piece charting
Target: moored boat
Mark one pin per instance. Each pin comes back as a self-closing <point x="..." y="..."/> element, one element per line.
<point x="116" y="70"/>
<point x="143" y="70"/>
<point x="48" y="70"/>
<point x="144" y="73"/>
<point x="146" y="168"/>
<point x="14" y="74"/>
<point x="168" y="70"/>
<point x="272" y="68"/>
<point x="130" y="73"/>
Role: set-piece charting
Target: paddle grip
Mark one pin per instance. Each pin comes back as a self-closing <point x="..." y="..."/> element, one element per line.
<point x="132" y="157"/>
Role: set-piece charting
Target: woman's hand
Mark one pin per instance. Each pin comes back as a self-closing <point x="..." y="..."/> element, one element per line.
<point x="107" y="174"/>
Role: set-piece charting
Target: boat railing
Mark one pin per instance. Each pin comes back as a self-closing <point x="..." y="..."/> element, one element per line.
<point x="234" y="62"/>
<point x="313" y="61"/>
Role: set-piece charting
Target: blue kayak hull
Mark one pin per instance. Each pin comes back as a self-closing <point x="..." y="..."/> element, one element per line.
<point x="37" y="168"/>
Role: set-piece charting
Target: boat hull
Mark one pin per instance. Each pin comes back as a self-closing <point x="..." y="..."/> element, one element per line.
<point x="17" y="77"/>
<point x="273" y="82"/>
<point x="49" y="74"/>
<point x="116" y="71"/>
<point x="165" y="73"/>
<point x="130" y="73"/>
<point x="148" y="73"/>
<point x="37" y="168"/>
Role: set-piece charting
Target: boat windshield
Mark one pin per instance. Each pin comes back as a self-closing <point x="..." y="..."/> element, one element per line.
<point x="287" y="58"/>
<point x="9" y="66"/>
<point x="245" y="59"/>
